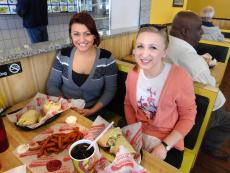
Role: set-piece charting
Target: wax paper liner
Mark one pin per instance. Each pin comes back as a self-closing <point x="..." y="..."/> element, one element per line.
<point x="133" y="134"/>
<point x="38" y="164"/>
<point x="37" y="104"/>
<point x="123" y="163"/>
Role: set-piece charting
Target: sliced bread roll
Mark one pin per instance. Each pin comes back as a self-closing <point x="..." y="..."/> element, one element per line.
<point x="110" y="137"/>
<point x="28" y="118"/>
<point x="122" y="141"/>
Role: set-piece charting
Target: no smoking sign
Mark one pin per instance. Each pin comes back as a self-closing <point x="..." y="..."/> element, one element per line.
<point x="10" y="69"/>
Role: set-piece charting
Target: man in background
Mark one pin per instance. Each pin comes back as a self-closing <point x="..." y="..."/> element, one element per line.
<point x="184" y="36"/>
<point x="35" y="18"/>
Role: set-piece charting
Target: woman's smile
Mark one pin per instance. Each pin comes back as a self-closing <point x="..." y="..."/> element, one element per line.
<point x="81" y="37"/>
<point x="85" y="44"/>
<point x="145" y="60"/>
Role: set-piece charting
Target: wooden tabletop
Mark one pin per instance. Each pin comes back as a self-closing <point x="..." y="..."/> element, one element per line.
<point x="227" y="40"/>
<point x="17" y="136"/>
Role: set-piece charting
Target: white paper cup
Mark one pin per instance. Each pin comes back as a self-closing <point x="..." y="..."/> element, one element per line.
<point x="82" y="164"/>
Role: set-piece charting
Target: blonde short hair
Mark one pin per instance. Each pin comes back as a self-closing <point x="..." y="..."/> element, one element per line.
<point x="160" y="31"/>
<point x="207" y="12"/>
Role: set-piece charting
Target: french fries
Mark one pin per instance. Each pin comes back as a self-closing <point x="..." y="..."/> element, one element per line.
<point x="58" y="142"/>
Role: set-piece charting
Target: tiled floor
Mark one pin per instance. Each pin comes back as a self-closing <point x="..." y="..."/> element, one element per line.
<point x="205" y="163"/>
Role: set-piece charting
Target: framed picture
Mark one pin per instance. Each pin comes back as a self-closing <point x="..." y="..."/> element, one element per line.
<point x="178" y="3"/>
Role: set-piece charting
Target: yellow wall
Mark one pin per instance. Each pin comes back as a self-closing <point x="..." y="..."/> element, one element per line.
<point x="221" y="7"/>
<point x="162" y="11"/>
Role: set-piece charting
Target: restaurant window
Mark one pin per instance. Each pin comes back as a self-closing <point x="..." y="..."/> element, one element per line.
<point x="99" y="9"/>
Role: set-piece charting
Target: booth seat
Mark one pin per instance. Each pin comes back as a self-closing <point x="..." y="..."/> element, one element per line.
<point x="205" y="98"/>
<point x="226" y="33"/>
<point x="219" y="50"/>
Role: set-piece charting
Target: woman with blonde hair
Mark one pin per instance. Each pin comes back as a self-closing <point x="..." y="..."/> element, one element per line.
<point x="160" y="96"/>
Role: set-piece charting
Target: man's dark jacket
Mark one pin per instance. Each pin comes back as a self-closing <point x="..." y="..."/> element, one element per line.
<point x="33" y="12"/>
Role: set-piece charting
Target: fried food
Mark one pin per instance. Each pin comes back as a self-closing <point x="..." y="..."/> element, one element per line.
<point x="51" y="106"/>
<point x="28" y="118"/>
<point x="56" y="143"/>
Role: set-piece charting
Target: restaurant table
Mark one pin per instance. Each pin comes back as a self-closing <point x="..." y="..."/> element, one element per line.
<point x="17" y="136"/>
<point x="227" y="40"/>
<point x="218" y="72"/>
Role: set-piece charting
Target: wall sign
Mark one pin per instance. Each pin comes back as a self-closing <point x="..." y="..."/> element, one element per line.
<point x="178" y="3"/>
<point x="8" y="6"/>
<point x="10" y="69"/>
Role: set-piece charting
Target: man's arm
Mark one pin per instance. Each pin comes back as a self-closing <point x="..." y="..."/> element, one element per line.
<point x="203" y="73"/>
<point x="198" y="69"/>
<point x="205" y="77"/>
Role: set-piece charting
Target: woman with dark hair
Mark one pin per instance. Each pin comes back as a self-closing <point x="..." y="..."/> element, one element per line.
<point x="84" y="71"/>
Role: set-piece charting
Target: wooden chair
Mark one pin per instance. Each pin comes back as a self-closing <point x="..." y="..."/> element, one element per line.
<point x="205" y="98"/>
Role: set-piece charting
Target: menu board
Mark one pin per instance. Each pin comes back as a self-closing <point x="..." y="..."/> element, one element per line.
<point x="54" y="6"/>
<point x="8" y="6"/>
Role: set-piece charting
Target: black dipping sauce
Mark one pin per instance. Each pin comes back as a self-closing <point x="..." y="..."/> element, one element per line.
<point x="79" y="152"/>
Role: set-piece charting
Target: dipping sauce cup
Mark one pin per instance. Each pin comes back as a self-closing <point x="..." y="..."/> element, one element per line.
<point x="84" y="160"/>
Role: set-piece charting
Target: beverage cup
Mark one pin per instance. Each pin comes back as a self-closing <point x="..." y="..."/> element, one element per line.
<point x="3" y="137"/>
<point x="84" y="160"/>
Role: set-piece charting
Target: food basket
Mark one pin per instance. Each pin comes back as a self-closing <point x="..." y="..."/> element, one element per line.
<point x="37" y="104"/>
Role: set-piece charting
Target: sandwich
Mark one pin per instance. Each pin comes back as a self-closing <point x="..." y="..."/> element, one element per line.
<point x="28" y="118"/>
<point x="113" y="138"/>
<point x="110" y="137"/>
<point x="122" y="141"/>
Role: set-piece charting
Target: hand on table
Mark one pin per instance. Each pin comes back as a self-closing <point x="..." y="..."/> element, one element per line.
<point x="209" y="59"/>
<point x="159" y="151"/>
<point x="84" y="112"/>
